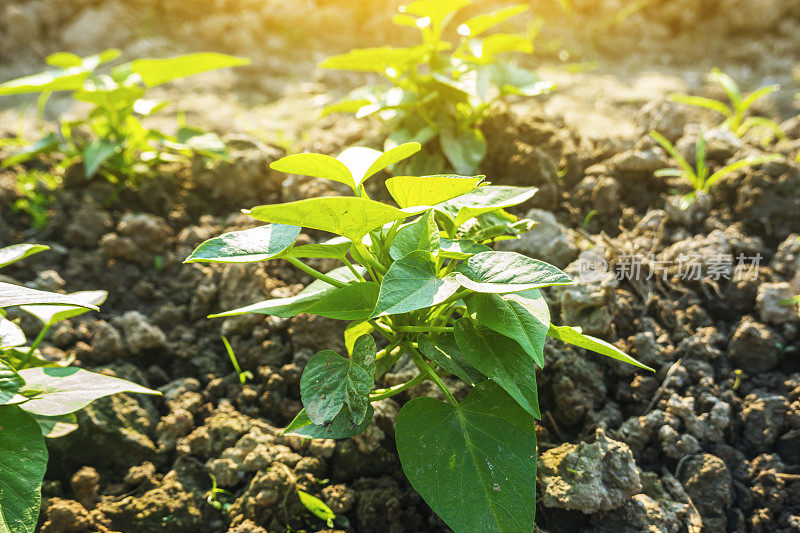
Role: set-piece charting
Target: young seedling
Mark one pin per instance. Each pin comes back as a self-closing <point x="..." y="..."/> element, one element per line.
<point x="110" y="140"/>
<point x="420" y="280"/>
<point x="439" y="92"/>
<point x="700" y="176"/>
<point x="243" y="376"/>
<point x="735" y="112"/>
<point x="37" y="396"/>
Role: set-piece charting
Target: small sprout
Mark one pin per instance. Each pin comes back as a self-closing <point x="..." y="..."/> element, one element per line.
<point x="243" y="376"/>
<point x="737" y="380"/>
<point x="735" y="112"/>
<point x="317" y="507"/>
<point x="700" y="176"/>
<point x="212" y="497"/>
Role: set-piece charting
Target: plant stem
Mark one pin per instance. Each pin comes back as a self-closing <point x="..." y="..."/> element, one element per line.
<point x="352" y="269"/>
<point x="315" y="273"/>
<point x="423" y="329"/>
<point x="35" y="344"/>
<point x="423" y="367"/>
<point x="380" y="394"/>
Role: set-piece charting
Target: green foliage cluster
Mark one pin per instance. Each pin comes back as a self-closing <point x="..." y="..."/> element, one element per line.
<point x="439" y="92"/>
<point x="700" y="176"/>
<point x="111" y="140"/>
<point x="421" y="278"/>
<point x="736" y="112"/>
<point x="38" y="397"/>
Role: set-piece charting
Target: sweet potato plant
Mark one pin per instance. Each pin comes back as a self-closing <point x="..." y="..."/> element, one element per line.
<point x="419" y="280"/>
<point x="111" y="140"/>
<point x="38" y="397"/>
<point x="438" y="91"/>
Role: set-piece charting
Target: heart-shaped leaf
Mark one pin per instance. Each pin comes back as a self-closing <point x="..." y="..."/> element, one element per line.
<point x="484" y="199"/>
<point x="409" y="191"/>
<point x="411" y="284"/>
<point x="348" y="216"/>
<point x="23" y="461"/>
<point x="460" y="248"/>
<point x="157" y="71"/>
<point x="316" y="166"/>
<point x="335" y="248"/>
<point x="56" y="391"/>
<point x="502" y="272"/>
<point x="332" y="385"/>
<point x="522" y="316"/>
<point x="15" y="252"/>
<point x="364" y="163"/>
<point x="465" y="149"/>
<point x="572" y="335"/>
<point x="339" y="428"/>
<point x="317" y="291"/>
<point x="500" y="359"/>
<point x="246" y="246"/>
<point x="444" y="351"/>
<point x="50" y="314"/>
<point x="473" y="463"/>
<point x="11" y="295"/>
<point x="422" y="234"/>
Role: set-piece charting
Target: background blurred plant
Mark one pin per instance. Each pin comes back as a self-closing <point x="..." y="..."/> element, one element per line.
<point x="700" y="176"/>
<point x="736" y="111"/>
<point x="38" y="397"/>
<point x="440" y="92"/>
<point x="111" y="140"/>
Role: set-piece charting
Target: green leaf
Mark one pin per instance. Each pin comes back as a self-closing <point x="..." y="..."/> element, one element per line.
<point x="348" y="216"/>
<point x="316" y="166"/>
<point x="444" y="351"/>
<point x="460" y="248"/>
<point x="502" y="272"/>
<point x="473" y="463"/>
<point x="353" y="331"/>
<point x="46" y="144"/>
<point x="64" y="79"/>
<point x="339" y="428"/>
<point x="354" y="301"/>
<point x="56" y="426"/>
<point x="363" y="162"/>
<point x="332" y="384"/>
<point x="523" y="316"/>
<point x="11" y="295"/>
<point x="157" y="71"/>
<point x="63" y="60"/>
<point x="484" y="199"/>
<point x="411" y="284"/>
<point x="335" y="248"/>
<point x="465" y="149"/>
<point x="572" y="335"/>
<point x="294" y="305"/>
<point x="96" y="154"/>
<point x="511" y="79"/>
<point x="16" y="252"/>
<point x="376" y="59"/>
<point x="500" y="43"/>
<point x="700" y="101"/>
<point x="10" y="334"/>
<point x="317" y="507"/>
<point x="50" y="314"/>
<point x="422" y="234"/>
<point x="56" y="391"/>
<point x="10" y="383"/>
<point x="246" y="246"/>
<point x="409" y="191"/>
<point x="500" y="359"/>
<point x="23" y="461"/>
<point x="480" y="23"/>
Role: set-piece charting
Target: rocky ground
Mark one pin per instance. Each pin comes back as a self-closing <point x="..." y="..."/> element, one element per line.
<point x="709" y="442"/>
